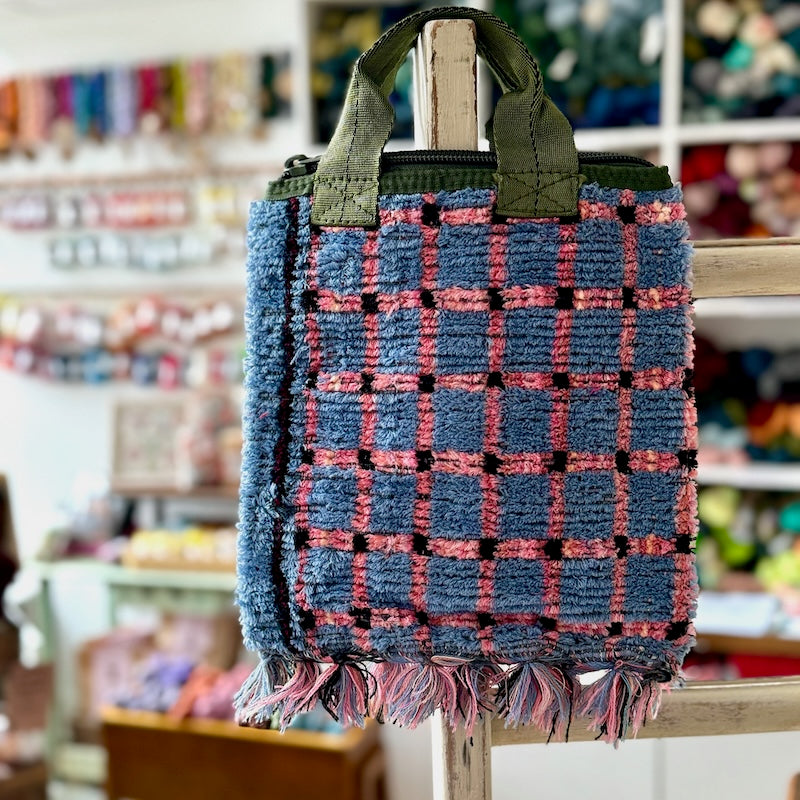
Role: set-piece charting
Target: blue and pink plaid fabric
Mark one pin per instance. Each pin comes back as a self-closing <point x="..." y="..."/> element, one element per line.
<point x="471" y="438"/>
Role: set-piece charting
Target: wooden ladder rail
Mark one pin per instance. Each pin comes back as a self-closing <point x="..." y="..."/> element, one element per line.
<point x="445" y="115"/>
<point x="463" y="766"/>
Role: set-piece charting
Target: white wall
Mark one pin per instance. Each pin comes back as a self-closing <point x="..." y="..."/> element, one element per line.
<point x="48" y="434"/>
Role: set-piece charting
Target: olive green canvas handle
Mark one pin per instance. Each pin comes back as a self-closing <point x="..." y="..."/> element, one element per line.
<point x="537" y="163"/>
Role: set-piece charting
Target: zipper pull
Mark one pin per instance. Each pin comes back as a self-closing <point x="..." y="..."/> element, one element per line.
<point x="297" y="166"/>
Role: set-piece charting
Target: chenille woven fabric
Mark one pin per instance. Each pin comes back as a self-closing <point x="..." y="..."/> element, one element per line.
<point x="467" y="475"/>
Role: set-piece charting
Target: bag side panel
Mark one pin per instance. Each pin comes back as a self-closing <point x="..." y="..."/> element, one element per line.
<point x="263" y="594"/>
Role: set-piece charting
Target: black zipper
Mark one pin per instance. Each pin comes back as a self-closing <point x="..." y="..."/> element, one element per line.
<point x="300" y="165"/>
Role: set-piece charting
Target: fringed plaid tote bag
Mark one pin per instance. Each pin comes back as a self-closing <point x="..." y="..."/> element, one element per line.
<point x="469" y="423"/>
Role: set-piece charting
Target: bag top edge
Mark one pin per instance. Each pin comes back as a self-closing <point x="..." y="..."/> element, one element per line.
<point x="415" y="179"/>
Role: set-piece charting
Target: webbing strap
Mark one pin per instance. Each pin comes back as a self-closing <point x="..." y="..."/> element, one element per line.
<point x="537" y="163"/>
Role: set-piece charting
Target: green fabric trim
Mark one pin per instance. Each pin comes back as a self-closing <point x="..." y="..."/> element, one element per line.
<point x="616" y="176"/>
<point x="537" y="163"/>
<point x="413" y="179"/>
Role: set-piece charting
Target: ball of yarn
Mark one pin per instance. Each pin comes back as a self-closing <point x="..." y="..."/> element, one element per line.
<point x="789" y="518"/>
<point x="716" y="506"/>
<point x="717" y="19"/>
<point x="595" y="14"/>
<point x="702" y="163"/>
<point x="790" y="206"/>
<point x="739" y="56"/>
<point x="742" y="161"/>
<point x="782" y="182"/>
<point x="732" y="85"/>
<point x="706" y="74"/>
<point x="728" y="185"/>
<point x="563" y="64"/>
<point x="764" y="211"/>
<point x="561" y="15"/>
<point x="778" y="56"/>
<point x="748" y="190"/>
<point x="757" y="360"/>
<point x="772" y="156"/>
<point x="700" y="198"/>
<point x="757" y="29"/>
<point x="786" y="17"/>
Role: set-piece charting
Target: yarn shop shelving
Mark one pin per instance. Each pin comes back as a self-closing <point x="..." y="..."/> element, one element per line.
<point x="707" y="87"/>
<point x="122" y="268"/>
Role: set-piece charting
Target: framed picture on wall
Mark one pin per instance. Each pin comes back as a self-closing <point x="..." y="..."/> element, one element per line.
<point x="144" y="443"/>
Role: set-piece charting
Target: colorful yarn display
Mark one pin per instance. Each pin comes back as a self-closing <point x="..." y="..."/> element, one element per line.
<point x="741" y="59"/>
<point x="194" y="548"/>
<point x="175" y="686"/>
<point x="230" y="94"/>
<point x="148" y="342"/>
<point x="218" y="202"/>
<point x="160" y="684"/>
<point x="600" y="58"/>
<point x="748" y="405"/>
<point x="748" y="532"/>
<point x="742" y="189"/>
<point x="166" y="226"/>
<point x="341" y="34"/>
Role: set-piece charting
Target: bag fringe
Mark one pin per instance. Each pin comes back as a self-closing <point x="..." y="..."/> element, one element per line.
<point x="406" y="693"/>
<point x="619" y="703"/>
<point x="252" y="702"/>
<point x="411" y="692"/>
<point x="540" y="695"/>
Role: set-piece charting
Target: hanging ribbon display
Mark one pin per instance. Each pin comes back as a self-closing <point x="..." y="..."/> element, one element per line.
<point x="9" y="109"/>
<point x="198" y="93"/>
<point x="236" y="91"/>
<point x="34" y="112"/>
<point x="122" y="101"/>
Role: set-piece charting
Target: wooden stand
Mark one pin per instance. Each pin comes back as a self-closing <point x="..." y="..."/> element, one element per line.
<point x="445" y="96"/>
<point x="26" y="783"/>
<point x="444" y="102"/>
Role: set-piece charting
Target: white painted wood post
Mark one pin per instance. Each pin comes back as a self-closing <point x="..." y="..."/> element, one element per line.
<point x="446" y="118"/>
<point x="445" y="89"/>
<point x="462" y="765"/>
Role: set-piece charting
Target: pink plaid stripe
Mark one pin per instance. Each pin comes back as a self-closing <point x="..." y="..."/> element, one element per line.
<point x="684" y="590"/>
<point x="490" y="507"/>
<point x="456" y="216"/>
<point x="621" y="479"/>
<point x="559" y="420"/>
<point x="369" y="412"/>
<point x="388" y="543"/>
<point x="458" y="299"/>
<point x="458" y="463"/>
<point x="655" y="378"/>
<point x="646" y="214"/>
<point x="390" y="618"/>
<point x="657" y="212"/>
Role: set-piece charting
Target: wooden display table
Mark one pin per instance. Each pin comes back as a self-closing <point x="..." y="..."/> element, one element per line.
<point x="27" y="783"/>
<point x="153" y="757"/>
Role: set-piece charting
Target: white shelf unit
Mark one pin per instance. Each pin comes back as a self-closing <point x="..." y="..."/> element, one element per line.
<point x="668" y="138"/>
<point x="784" y="477"/>
<point x="62" y="39"/>
<point x="786" y="307"/>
